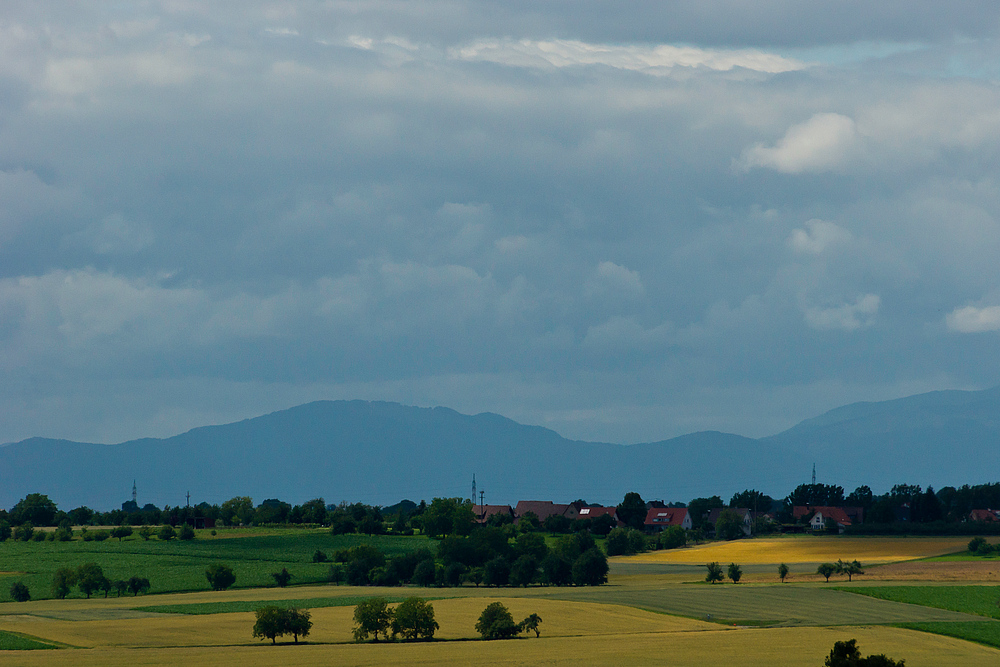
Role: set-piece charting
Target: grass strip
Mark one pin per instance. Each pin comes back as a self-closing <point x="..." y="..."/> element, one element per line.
<point x="981" y="632"/>
<point x="978" y="600"/>
<point x="201" y="608"/>
<point x="12" y="641"/>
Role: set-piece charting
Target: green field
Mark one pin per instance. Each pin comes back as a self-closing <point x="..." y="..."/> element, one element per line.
<point x="981" y="632"/>
<point x="11" y="641"/>
<point x="180" y="565"/>
<point x="978" y="600"/>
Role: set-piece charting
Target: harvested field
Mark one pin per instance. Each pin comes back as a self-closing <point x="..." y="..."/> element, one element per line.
<point x="806" y="549"/>
<point x="985" y="571"/>
<point x="784" y="647"/>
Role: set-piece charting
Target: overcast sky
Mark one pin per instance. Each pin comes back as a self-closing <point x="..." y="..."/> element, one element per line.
<point x="623" y="221"/>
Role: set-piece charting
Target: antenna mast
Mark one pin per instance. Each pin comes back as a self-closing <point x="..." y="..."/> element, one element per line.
<point x="814" y="474"/>
<point x="473" y="488"/>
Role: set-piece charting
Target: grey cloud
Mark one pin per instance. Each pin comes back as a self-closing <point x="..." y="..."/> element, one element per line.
<point x="334" y="201"/>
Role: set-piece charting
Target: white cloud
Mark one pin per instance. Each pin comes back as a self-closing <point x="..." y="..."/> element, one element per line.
<point x="974" y="320"/>
<point x="616" y="279"/>
<point x="825" y="142"/>
<point x="650" y="59"/>
<point x="817" y="237"/>
<point x="848" y="316"/>
<point x="113" y="235"/>
<point x="623" y="334"/>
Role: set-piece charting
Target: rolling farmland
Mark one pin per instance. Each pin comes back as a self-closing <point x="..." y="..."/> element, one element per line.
<point x="650" y="608"/>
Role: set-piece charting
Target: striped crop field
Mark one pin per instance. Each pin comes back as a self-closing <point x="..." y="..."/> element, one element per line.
<point x="808" y="549"/>
<point x="457" y="618"/>
<point x="773" y="647"/>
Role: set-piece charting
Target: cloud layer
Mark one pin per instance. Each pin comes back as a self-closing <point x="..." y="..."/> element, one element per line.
<point x="622" y="225"/>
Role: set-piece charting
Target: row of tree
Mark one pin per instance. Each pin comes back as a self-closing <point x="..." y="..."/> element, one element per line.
<point x="456" y="516"/>
<point x="413" y="619"/>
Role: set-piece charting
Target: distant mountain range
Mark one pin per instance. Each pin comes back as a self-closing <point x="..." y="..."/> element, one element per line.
<point x="379" y="453"/>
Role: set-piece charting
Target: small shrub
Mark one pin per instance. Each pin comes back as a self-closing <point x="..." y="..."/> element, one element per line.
<point x="319" y="557"/>
<point x="39" y="536"/>
<point x="145" y="533"/>
<point x="282" y="578"/>
<point x="213" y="533"/>
<point x="220" y="577"/>
<point x="100" y="535"/>
<point x="186" y="532"/>
<point x="24" y="532"/>
<point x="19" y="592"/>
<point x="166" y="532"/>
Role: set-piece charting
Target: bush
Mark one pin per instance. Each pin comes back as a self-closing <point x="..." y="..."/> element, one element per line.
<point x="19" y="592"/>
<point x="5" y="531"/>
<point x="121" y="532"/>
<point x="186" y="532"/>
<point x="319" y="557"/>
<point x="220" y="577"/>
<point x="496" y="622"/>
<point x="846" y="654"/>
<point x="39" y="536"/>
<point x="166" y="532"/>
<point x="145" y="532"/>
<point x="414" y="619"/>
<point x="673" y="537"/>
<point x="138" y="585"/>
<point x="282" y="578"/>
<point x="24" y="532"/>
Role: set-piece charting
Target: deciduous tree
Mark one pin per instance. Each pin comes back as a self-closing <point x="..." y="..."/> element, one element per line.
<point x="714" y="573"/>
<point x="372" y="617"/>
<point x="782" y="572"/>
<point x="413" y="618"/>
<point x="496" y="622"/>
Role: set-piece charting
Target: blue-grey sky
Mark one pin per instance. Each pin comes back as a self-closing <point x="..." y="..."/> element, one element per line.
<point x="625" y="222"/>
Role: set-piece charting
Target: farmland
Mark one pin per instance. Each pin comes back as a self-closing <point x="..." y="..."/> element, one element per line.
<point x="809" y="549"/>
<point x="651" y="607"/>
<point x="180" y="565"/>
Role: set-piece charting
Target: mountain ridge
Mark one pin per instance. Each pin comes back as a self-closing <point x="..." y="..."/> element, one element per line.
<point x="380" y="452"/>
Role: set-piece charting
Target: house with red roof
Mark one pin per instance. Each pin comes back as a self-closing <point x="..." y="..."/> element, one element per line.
<point x="543" y="509"/>
<point x="661" y="518"/>
<point x="594" y="512"/>
<point x="484" y="512"/>
<point x="984" y="515"/>
<point x="843" y="516"/>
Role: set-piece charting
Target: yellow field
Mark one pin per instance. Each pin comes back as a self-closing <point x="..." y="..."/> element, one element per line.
<point x="785" y="647"/>
<point x="806" y="549"/>
<point x="456" y="617"/>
